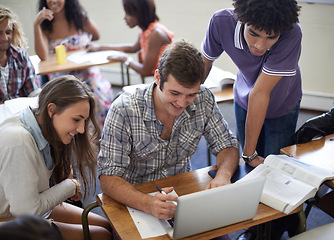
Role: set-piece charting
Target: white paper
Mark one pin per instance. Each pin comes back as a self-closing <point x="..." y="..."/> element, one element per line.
<point x="95" y="57"/>
<point x="14" y="106"/>
<point x="147" y="225"/>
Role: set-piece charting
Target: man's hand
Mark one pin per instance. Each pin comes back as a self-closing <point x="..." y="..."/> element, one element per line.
<point x="162" y="205"/>
<point x="219" y="180"/>
<point x="257" y="161"/>
<point x="91" y="47"/>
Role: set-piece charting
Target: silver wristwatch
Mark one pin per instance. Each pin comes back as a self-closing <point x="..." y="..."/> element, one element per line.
<point x="250" y="158"/>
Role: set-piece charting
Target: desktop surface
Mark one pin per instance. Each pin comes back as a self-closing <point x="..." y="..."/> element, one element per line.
<point x="184" y="183"/>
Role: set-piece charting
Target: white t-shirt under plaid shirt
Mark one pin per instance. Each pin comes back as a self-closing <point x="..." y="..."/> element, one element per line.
<point x="131" y="146"/>
<point x="4" y="79"/>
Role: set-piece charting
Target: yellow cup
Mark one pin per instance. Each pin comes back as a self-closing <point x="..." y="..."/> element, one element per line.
<point x="61" y="54"/>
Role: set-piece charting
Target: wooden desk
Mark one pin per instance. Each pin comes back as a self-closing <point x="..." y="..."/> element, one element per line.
<point x="6" y="219"/>
<point x="317" y="152"/>
<point x="50" y="65"/>
<point x="184" y="183"/>
<point x="225" y="95"/>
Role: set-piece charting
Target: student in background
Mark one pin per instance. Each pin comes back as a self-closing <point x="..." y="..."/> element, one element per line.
<point x="152" y="40"/>
<point x="66" y="22"/>
<point x="36" y="158"/>
<point x="263" y="38"/>
<point x="17" y="74"/>
<point x="152" y="133"/>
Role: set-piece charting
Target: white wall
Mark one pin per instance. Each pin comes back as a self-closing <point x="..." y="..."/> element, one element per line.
<point x="188" y="19"/>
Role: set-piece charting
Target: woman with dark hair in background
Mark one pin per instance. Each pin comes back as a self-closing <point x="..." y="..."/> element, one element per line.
<point x="66" y="22"/>
<point x="152" y="40"/>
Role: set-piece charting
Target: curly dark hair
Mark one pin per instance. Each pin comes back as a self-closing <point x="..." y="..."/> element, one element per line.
<point x="143" y="10"/>
<point x="272" y="16"/>
<point x="74" y="13"/>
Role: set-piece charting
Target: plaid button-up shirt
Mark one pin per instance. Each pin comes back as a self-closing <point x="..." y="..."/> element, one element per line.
<point x="131" y="146"/>
<point x="22" y="77"/>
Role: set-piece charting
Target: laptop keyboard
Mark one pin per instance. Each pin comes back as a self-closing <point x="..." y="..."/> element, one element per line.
<point x="171" y="221"/>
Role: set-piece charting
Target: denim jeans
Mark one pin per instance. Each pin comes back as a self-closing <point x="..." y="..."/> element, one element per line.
<point x="275" y="134"/>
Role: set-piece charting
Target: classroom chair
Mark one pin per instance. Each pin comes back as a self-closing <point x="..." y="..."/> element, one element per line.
<point x="325" y="203"/>
<point x="324" y="232"/>
<point x="84" y="218"/>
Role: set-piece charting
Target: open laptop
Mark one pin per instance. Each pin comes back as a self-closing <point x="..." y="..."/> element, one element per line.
<point x="214" y="208"/>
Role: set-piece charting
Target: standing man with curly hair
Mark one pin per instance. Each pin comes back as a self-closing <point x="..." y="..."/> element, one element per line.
<point x="263" y="39"/>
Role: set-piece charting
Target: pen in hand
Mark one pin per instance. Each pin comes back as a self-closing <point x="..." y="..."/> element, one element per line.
<point x="162" y="191"/>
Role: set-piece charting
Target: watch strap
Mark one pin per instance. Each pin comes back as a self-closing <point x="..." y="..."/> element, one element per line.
<point x="250" y="158"/>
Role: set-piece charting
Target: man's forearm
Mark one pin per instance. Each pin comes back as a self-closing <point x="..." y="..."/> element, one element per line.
<point x="227" y="161"/>
<point x="257" y="109"/>
<point x="122" y="191"/>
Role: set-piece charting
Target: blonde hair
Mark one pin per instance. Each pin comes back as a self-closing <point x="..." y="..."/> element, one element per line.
<point x="19" y="39"/>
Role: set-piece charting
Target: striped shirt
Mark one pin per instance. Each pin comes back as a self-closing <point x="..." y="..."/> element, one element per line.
<point x="131" y="146"/>
<point x="22" y="79"/>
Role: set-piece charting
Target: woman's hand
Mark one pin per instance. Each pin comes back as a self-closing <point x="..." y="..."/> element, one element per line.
<point x="42" y="15"/>
<point x="91" y="47"/>
<point x="120" y="57"/>
<point x="78" y="195"/>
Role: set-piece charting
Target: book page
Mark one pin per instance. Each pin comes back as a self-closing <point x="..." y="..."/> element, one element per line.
<point x="287" y="192"/>
<point x="217" y="78"/>
<point x="281" y="191"/>
<point x="307" y="173"/>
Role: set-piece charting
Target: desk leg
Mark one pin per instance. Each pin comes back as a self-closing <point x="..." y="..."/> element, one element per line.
<point x="122" y="74"/>
<point x="259" y="231"/>
<point x="302" y="221"/>
<point x="209" y="157"/>
<point x="267" y="230"/>
<point x="128" y="75"/>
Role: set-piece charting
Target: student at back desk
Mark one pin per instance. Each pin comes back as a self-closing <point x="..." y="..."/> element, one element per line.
<point x="66" y="22"/>
<point x="17" y="74"/>
<point x="152" y="40"/>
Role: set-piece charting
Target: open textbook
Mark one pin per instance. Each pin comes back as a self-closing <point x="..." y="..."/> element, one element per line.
<point x="218" y="79"/>
<point x="289" y="182"/>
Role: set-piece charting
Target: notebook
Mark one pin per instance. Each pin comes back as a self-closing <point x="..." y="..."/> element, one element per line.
<point x="214" y="208"/>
